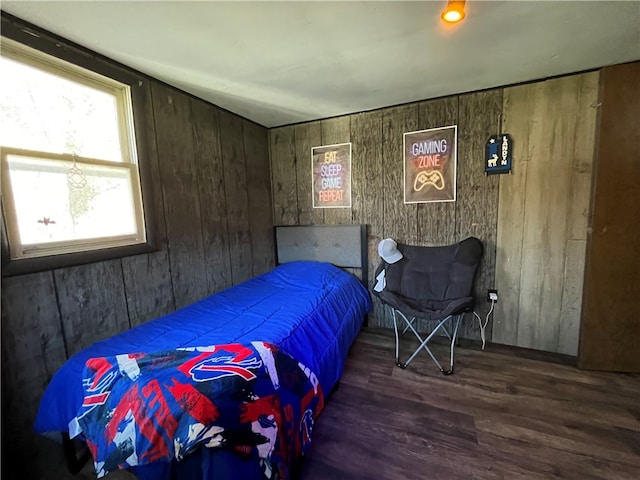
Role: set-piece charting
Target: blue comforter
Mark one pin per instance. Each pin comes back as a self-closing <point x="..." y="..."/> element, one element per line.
<point x="312" y="311"/>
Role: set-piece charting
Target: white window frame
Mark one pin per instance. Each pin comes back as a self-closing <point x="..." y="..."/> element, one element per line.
<point x="122" y="93"/>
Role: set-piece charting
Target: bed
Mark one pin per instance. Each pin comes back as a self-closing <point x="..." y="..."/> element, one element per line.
<point x="228" y="387"/>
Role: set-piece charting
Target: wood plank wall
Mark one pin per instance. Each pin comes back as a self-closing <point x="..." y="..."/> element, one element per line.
<point x="543" y="212"/>
<point x="532" y="222"/>
<point x="213" y="200"/>
<point x="377" y="196"/>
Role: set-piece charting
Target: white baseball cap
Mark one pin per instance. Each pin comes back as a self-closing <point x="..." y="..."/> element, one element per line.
<point x="388" y="250"/>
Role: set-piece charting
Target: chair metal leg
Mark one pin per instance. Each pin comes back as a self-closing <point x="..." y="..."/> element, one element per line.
<point x="423" y="345"/>
<point x="455" y="324"/>
<point x="446" y="330"/>
<point x="453" y="343"/>
<point x="413" y="319"/>
<point x="395" y="329"/>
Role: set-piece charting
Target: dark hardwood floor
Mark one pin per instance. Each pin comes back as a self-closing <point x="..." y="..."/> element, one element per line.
<point x="500" y="416"/>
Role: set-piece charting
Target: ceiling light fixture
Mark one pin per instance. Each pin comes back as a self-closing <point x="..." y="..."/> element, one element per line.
<point x="454" y="11"/>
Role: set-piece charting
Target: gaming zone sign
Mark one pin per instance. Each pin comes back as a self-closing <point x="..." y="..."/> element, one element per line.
<point x="430" y="165"/>
<point x="331" y="176"/>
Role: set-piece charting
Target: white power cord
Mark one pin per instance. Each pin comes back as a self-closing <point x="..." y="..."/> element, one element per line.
<point x="483" y="326"/>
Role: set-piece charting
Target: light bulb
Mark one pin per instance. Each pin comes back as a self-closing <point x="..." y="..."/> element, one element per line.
<point x="454" y="11"/>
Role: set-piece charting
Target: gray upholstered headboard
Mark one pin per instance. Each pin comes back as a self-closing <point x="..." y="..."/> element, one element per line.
<point x="341" y="245"/>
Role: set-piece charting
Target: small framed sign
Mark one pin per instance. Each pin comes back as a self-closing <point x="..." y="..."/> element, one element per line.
<point x="331" y="176"/>
<point x="430" y="158"/>
<point x="498" y="154"/>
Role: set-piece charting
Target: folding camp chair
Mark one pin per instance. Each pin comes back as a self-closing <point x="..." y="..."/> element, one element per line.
<point x="432" y="283"/>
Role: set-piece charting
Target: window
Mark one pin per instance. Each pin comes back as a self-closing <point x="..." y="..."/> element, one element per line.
<point x="70" y="179"/>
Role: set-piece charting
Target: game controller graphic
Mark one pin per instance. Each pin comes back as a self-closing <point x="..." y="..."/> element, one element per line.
<point x="426" y="177"/>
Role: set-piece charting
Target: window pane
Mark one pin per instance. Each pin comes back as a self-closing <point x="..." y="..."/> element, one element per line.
<point x="46" y="112"/>
<point x="56" y="201"/>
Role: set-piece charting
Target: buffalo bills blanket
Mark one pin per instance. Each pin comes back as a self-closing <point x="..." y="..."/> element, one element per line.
<point x="253" y="399"/>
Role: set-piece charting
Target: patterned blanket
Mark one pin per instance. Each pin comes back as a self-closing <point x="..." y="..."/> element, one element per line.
<point x="250" y="398"/>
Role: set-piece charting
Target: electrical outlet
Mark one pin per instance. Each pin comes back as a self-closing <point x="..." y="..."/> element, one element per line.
<point x="492" y="295"/>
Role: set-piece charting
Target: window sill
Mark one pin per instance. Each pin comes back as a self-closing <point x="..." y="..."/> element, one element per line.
<point x="32" y="265"/>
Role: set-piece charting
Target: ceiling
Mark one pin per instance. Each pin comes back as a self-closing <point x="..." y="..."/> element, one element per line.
<point x="285" y="62"/>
